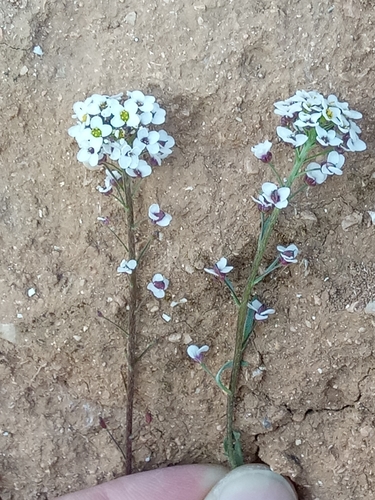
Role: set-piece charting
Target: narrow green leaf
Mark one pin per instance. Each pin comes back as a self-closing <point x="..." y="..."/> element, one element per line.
<point x="249" y="325"/>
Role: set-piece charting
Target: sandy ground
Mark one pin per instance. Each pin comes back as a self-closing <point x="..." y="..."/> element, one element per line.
<point x="217" y="66"/>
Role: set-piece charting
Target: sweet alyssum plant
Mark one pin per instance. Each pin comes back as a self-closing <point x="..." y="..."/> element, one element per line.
<point x="122" y="134"/>
<point x="321" y="130"/>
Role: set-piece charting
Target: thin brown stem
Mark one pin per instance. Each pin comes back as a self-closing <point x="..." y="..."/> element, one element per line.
<point x="132" y="325"/>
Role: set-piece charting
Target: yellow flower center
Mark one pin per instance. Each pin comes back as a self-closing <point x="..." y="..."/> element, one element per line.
<point x="84" y="117"/>
<point x="124" y="115"/>
<point x="329" y="113"/>
<point x="96" y="132"/>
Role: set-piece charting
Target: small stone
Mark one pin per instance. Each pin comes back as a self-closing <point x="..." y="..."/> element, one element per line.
<point x="308" y="215"/>
<point x="131" y="18"/>
<point x="372" y="215"/>
<point x="24" y="70"/>
<point x="154" y="309"/>
<point x="298" y="442"/>
<point x="31" y="292"/>
<point x="199" y="264"/>
<point x="351" y="220"/>
<point x="189" y="269"/>
<point x="251" y="166"/>
<point x="38" y="50"/>
<point x="175" y="337"/>
<point x="186" y="339"/>
<point x="370" y="308"/>
<point x="166" y="317"/>
<point x="77" y="337"/>
<point x="8" y="332"/>
<point x="19" y="316"/>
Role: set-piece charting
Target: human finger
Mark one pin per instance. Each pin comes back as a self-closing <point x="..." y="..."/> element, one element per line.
<point x="181" y="482"/>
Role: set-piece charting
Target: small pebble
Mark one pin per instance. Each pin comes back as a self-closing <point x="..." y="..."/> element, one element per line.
<point x="31" y="292"/>
<point x="372" y="215"/>
<point x="166" y="318"/>
<point x="370" y="308"/>
<point x="24" y="70"/>
<point x="38" y="50"/>
<point x="175" y="337"/>
<point x="77" y="337"/>
<point x="131" y="18"/>
<point x="351" y="220"/>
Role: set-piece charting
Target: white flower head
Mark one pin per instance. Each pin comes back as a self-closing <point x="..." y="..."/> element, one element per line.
<point x="355" y="143"/>
<point x="110" y="180"/>
<point x="334" y="164"/>
<point x="262" y="151"/>
<point x="142" y="170"/>
<point x="156" y="116"/>
<point x="127" y="266"/>
<point x="158" y="285"/>
<point x="288" y="254"/>
<point x="275" y="195"/>
<point x="261" y="311"/>
<point x="148" y="140"/>
<point x="294" y="138"/>
<point x="159" y="217"/>
<point x="327" y="137"/>
<point x="196" y="353"/>
<point x="144" y="103"/>
<point x="125" y="114"/>
<point x="314" y="174"/>
<point x="220" y="269"/>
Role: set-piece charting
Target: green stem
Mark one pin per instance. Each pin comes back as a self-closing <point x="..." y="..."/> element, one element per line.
<point x="269" y="224"/>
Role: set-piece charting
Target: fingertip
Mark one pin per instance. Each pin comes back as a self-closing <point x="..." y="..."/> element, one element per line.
<point x="252" y="482"/>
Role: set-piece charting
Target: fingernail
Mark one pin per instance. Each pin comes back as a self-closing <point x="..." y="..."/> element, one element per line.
<point x="252" y="482"/>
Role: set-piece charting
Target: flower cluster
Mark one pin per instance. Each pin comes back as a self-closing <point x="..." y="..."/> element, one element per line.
<point x="331" y="122"/>
<point x="118" y="128"/>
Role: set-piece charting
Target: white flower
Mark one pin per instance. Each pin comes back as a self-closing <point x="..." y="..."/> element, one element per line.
<point x="127" y="266"/>
<point x="288" y="254"/>
<point x="288" y="135"/>
<point x="327" y="137"/>
<point x="148" y="140"/>
<point x="334" y="164"/>
<point x="196" y="353"/>
<point x="284" y="108"/>
<point x="220" y="269"/>
<point x="262" y="151"/>
<point x="314" y="174"/>
<point x="158" y="285"/>
<point x="159" y="217"/>
<point x="155" y="116"/>
<point x="144" y="103"/>
<point x="98" y="129"/>
<point x="76" y="131"/>
<point x="307" y="119"/>
<point x="166" y="142"/>
<point x="110" y="180"/>
<point x="355" y="143"/>
<point x="113" y="149"/>
<point x="129" y="157"/>
<point x="276" y="196"/>
<point x="261" y="311"/>
<point x="125" y="114"/>
<point x="143" y="169"/>
<point x="89" y="152"/>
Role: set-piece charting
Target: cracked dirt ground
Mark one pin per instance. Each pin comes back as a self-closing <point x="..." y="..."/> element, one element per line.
<point x="217" y="67"/>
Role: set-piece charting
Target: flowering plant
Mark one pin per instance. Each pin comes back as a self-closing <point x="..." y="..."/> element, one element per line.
<point x="321" y="130"/>
<point x="122" y="135"/>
